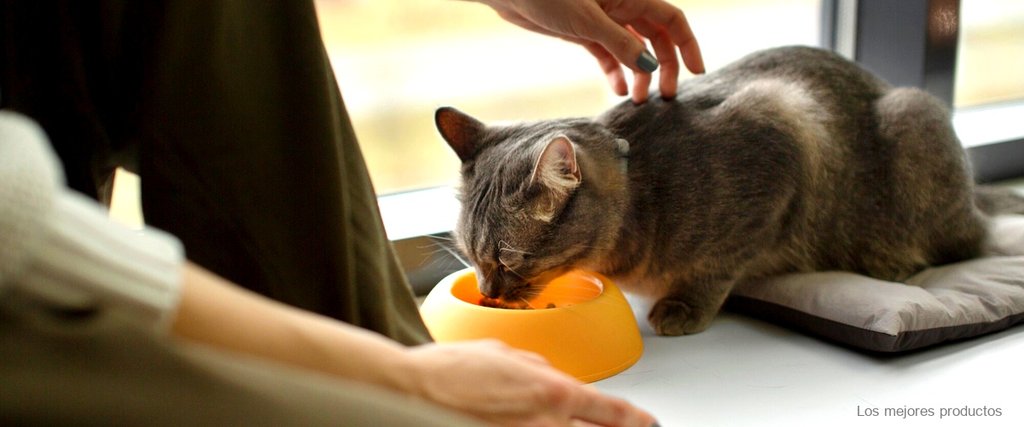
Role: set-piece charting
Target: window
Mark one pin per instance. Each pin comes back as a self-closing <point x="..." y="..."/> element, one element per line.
<point x="989" y="86"/>
<point x="398" y="60"/>
<point x="969" y="55"/>
<point x="990" y="66"/>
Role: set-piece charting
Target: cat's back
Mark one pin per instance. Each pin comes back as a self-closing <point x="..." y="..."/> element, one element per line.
<point x="831" y="77"/>
<point x="822" y="151"/>
<point x="759" y="135"/>
<point x="808" y="94"/>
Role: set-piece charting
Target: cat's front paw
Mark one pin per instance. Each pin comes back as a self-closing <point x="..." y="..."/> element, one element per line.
<point x="674" y="317"/>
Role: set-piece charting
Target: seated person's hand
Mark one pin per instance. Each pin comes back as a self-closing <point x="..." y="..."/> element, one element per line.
<point x="507" y="386"/>
<point x="613" y="31"/>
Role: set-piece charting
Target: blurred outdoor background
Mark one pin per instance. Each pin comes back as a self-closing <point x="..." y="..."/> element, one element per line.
<point x="398" y="60"/>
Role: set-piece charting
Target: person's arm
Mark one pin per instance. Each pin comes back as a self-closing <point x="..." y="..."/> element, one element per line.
<point x="485" y="379"/>
<point x="60" y="246"/>
<point x="614" y="32"/>
<point x="216" y="312"/>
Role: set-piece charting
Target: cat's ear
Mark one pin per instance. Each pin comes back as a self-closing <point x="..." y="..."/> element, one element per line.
<point x="461" y="131"/>
<point x="556" y="175"/>
<point x="556" y="166"/>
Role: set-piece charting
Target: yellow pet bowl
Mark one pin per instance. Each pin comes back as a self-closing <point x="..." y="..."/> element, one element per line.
<point x="589" y="333"/>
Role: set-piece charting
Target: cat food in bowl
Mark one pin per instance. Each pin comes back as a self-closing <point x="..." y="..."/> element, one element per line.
<point x="581" y="322"/>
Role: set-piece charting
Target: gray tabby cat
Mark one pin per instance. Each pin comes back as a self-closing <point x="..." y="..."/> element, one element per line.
<point x="791" y="159"/>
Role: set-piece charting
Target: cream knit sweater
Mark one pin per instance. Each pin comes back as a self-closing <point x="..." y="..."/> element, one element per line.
<point x="58" y="245"/>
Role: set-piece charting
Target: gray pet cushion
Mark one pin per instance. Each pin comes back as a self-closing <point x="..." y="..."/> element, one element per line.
<point x="938" y="304"/>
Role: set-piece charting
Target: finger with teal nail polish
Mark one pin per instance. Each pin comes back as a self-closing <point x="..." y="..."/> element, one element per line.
<point x="647" y="62"/>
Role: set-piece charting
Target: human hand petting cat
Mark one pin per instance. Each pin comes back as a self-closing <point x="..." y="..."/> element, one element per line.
<point x="613" y="31"/>
<point x="511" y="387"/>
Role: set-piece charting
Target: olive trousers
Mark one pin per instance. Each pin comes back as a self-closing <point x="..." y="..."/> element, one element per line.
<point x="84" y="365"/>
<point x="230" y="113"/>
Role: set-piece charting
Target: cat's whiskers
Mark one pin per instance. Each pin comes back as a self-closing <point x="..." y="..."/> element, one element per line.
<point x="433" y="260"/>
<point x="508" y="248"/>
<point x="433" y="249"/>
<point x="513" y="271"/>
<point x="454" y="253"/>
<point x="511" y="249"/>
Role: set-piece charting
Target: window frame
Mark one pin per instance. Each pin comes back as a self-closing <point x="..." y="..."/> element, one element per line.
<point x="887" y="38"/>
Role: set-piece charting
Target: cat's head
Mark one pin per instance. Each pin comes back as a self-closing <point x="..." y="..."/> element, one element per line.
<point x="538" y="199"/>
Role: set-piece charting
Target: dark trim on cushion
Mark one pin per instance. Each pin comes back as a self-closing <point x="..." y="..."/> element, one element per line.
<point x="864" y="339"/>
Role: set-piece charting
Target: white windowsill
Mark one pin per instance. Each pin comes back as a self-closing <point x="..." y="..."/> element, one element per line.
<point x="989" y="124"/>
<point x="418" y="213"/>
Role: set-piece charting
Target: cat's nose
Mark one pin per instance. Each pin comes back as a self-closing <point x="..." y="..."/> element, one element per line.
<point x="488" y="289"/>
<point x="486" y="285"/>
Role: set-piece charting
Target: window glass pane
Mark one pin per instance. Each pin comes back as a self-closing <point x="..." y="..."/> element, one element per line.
<point x="398" y="60"/>
<point x="990" y="67"/>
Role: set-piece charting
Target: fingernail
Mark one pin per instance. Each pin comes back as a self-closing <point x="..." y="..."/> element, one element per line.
<point x="647" y="62"/>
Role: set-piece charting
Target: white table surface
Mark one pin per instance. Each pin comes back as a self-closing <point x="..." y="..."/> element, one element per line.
<point x="746" y="372"/>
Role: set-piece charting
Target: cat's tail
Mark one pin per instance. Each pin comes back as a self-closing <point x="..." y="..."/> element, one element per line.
<point x="993" y="200"/>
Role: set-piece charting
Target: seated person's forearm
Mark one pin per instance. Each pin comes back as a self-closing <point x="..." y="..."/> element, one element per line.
<point x="214" y="312"/>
